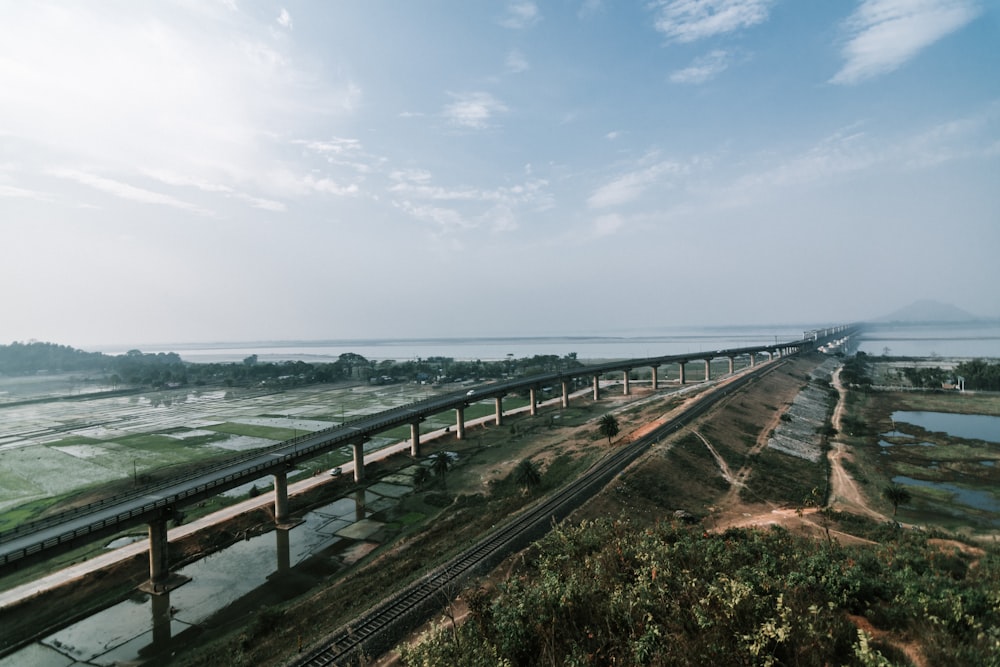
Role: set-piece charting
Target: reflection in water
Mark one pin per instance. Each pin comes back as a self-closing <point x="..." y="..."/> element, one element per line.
<point x="359" y="507"/>
<point x="228" y="583"/>
<point x="283" y="548"/>
<point x="160" y="605"/>
<point x="982" y="500"/>
<point x="972" y="427"/>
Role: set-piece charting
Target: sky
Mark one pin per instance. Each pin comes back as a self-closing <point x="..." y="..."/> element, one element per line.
<point x="227" y="170"/>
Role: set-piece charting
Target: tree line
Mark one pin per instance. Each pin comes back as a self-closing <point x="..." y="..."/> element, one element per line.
<point x="166" y="369"/>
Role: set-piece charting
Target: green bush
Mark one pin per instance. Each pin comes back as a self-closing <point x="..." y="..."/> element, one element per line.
<point x="607" y="593"/>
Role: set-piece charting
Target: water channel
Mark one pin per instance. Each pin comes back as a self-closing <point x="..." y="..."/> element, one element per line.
<point x="970" y="427"/>
<point x="966" y="487"/>
<point x="262" y="570"/>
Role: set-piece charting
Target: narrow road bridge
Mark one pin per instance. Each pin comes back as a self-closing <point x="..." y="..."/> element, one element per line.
<point x="156" y="504"/>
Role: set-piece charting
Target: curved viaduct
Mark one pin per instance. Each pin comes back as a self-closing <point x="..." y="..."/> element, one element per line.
<point x="156" y="504"/>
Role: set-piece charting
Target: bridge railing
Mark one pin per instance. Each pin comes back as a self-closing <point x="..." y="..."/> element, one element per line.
<point x="393" y="415"/>
<point x="55" y="519"/>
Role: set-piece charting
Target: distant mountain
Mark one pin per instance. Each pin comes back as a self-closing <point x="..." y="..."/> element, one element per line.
<point x="926" y="310"/>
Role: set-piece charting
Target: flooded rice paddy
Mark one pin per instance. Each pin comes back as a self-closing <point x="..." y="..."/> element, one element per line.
<point x="233" y="582"/>
<point x="49" y="449"/>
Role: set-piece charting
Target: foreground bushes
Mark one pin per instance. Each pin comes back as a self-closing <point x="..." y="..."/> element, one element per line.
<point x="605" y="593"/>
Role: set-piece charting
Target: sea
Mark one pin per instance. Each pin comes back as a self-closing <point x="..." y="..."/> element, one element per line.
<point x="967" y="340"/>
<point x="630" y="345"/>
<point x="925" y="340"/>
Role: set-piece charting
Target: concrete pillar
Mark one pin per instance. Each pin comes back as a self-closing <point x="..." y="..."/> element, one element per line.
<point x="160" y="605"/>
<point x="597" y="388"/>
<point x="656" y="384"/>
<point x="753" y="360"/>
<point x="533" y="397"/>
<point x="460" y="422"/>
<point x="499" y="402"/>
<point x="359" y="505"/>
<point x="565" y="393"/>
<point x="280" y="497"/>
<point x="415" y="439"/>
<point x="625" y="389"/>
<point x="708" y="370"/>
<point x="283" y="550"/>
<point x="157" y="551"/>
<point x="359" y="460"/>
<point x="680" y="369"/>
<point x="732" y="365"/>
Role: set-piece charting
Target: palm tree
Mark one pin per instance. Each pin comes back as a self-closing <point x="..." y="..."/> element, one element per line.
<point x="526" y="475"/>
<point x="440" y="464"/>
<point x="609" y="426"/>
<point x="897" y="494"/>
<point x="421" y="476"/>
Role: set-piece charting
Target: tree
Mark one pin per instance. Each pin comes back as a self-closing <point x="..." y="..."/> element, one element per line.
<point x="527" y="476"/>
<point x="609" y="426"/>
<point x="421" y="476"/>
<point x="897" y="494"/>
<point x="441" y="464"/>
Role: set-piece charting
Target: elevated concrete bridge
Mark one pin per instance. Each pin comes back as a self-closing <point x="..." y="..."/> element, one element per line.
<point x="155" y="505"/>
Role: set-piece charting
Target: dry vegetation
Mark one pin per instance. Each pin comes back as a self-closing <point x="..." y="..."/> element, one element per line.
<point x="718" y="472"/>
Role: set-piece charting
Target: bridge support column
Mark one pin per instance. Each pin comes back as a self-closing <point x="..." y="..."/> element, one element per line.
<point x="359" y="460"/>
<point x="160" y="606"/>
<point x="460" y="423"/>
<point x="625" y="389"/>
<point x="565" y="393"/>
<point x="770" y="355"/>
<point x="282" y="546"/>
<point x="280" y="497"/>
<point x="499" y="410"/>
<point x="680" y="371"/>
<point x="732" y="365"/>
<point x="158" y="569"/>
<point x="415" y="439"/>
<point x="753" y="360"/>
<point x="360" y="506"/>
<point x="708" y="370"/>
<point x="533" y="397"/>
<point x="656" y="384"/>
<point x="597" y="388"/>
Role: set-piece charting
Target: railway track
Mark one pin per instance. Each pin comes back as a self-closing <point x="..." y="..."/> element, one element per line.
<point x="378" y="629"/>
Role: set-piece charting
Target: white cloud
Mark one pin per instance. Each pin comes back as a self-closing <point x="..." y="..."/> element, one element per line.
<point x="882" y="35"/>
<point x="630" y="186"/>
<point x="14" y="192"/>
<point x="335" y="146"/>
<point x="703" y="68"/>
<point x="285" y="19"/>
<point x="611" y="136"/>
<point x="691" y="20"/>
<point x="126" y="191"/>
<point x="445" y="218"/>
<point x="852" y="153"/>
<point x="263" y="204"/>
<point x="329" y="186"/>
<point x="606" y="225"/>
<point x="521" y="15"/>
<point x="473" y="109"/>
<point x="193" y="88"/>
<point x="516" y="62"/>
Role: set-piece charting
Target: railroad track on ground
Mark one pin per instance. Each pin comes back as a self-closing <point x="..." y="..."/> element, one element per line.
<point x="378" y="629"/>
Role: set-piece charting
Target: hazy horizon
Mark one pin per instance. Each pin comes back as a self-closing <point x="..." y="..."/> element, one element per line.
<point x="231" y="171"/>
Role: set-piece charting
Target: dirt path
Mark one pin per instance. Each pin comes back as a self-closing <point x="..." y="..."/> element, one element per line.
<point x="723" y="466"/>
<point x="844" y="492"/>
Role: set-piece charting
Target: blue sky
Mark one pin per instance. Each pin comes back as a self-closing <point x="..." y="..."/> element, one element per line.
<point x="222" y="170"/>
